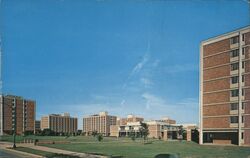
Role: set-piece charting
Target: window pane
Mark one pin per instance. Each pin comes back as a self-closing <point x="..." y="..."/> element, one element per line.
<point x="235" y="53"/>
<point x="235" y="93"/>
<point x="234" y="106"/>
<point x="234" y="66"/>
<point x="235" y="79"/>
<point x="234" y="119"/>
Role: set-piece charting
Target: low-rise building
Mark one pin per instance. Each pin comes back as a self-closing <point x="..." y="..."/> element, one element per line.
<point x="160" y="129"/>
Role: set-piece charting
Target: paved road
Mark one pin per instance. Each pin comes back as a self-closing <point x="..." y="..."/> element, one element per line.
<point x="7" y="154"/>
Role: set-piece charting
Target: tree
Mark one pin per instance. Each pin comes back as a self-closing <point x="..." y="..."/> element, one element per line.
<point x="94" y="133"/>
<point x="144" y="131"/>
<point x="132" y="135"/>
<point x="99" y="137"/>
<point x="180" y="133"/>
<point x="48" y="132"/>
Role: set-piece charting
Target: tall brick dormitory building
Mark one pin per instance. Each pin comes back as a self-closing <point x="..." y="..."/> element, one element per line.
<point x="16" y="113"/>
<point x="225" y="88"/>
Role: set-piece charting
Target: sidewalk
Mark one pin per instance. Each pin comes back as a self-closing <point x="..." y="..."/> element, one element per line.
<point x="60" y="151"/>
<point x="19" y="154"/>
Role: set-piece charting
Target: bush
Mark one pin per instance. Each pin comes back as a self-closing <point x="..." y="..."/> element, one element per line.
<point x="99" y="137"/>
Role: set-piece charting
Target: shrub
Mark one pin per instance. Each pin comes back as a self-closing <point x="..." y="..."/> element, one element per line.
<point x="99" y="137"/>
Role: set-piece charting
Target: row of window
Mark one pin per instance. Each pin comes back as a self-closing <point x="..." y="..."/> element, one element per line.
<point x="234" y="106"/>
<point x="235" y="79"/>
<point x="235" y="39"/>
<point x="235" y="53"/>
<point x="235" y="92"/>
<point x="235" y="66"/>
<point x="235" y="119"/>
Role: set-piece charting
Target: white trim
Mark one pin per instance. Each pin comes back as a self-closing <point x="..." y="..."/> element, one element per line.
<point x="240" y="90"/>
<point x="201" y="96"/>
<point x="1" y="114"/>
<point x="226" y="35"/>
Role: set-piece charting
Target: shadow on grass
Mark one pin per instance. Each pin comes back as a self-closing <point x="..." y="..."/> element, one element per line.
<point x="60" y="156"/>
<point x="167" y="156"/>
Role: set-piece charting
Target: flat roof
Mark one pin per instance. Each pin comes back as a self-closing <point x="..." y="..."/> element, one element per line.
<point x="214" y="38"/>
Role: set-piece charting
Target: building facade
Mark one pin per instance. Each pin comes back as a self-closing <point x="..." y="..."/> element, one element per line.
<point x="225" y="88"/>
<point x="130" y="118"/>
<point x="37" y="125"/>
<point x="99" y="123"/>
<point x="16" y="115"/>
<point x="59" y="123"/>
<point x="158" y="129"/>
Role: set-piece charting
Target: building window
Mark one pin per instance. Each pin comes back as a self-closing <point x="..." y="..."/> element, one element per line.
<point x="243" y="105"/>
<point x="243" y="37"/>
<point x="242" y="135"/>
<point x="243" y="78"/>
<point x="242" y="119"/>
<point x="235" y="79"/>
<point x="243" y="64"/>
<point x="234" y="40"/>
<point x="235" y="93"/>
<point x="234" y="119"/>
<point x="234" y="53"/>
<point x="234" y="66"/>
<point x="243" y="92"/>
<point x="243" y="51"/>
<point x="234" y="106"/>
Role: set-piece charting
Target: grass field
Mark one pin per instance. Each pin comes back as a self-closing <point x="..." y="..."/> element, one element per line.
<point x="127" y="148"/>
<point x="36" y="152"/>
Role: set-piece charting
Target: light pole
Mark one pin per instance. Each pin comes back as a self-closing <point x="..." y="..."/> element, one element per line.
<point x="14" y="127"/>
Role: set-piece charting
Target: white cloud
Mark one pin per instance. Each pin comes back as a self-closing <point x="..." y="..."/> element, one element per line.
<point x="181" y="68"/>
<point x="152" y="101"/>
<point x="156" y="63"/>
<point x="146" y="82"/>
<point x="140" y="65"/>
<point x="184" y="111"/>
<point x="122" y="102"/>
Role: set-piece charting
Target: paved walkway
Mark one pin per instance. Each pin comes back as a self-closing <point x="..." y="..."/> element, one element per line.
<point x="5" y="145"/>
<point x="60" y="151"/>
<point x="5" y="152"/>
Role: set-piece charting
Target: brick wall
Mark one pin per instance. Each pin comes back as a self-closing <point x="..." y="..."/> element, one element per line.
<point x="19" y="116"/>
<point x="216" y="72"/>
<point x="218" y="122"/>
<point x="247" y="121"/>
<point x="216" y="97"/>
<point x="247" y="136"/>
<point x="216" y="47"/>
<point x="216" y="60"/>
<point x="247" y="38"/>
<point x="213" y="110"/>
<point x="216" y="85"/>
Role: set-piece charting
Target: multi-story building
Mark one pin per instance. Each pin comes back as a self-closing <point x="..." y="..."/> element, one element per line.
<point x="37" y="125"/>
<point x="168" y="120"/>
<point x="225" y="88"/>
<point x="98" y="123"/>
<point x="130" y="118"/>
<point x="133" y="118"/>
<point x="16" y="115"/>
<point x="59" y="123"/>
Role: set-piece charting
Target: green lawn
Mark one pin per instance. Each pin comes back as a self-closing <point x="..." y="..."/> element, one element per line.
<point x="43" y="153"/>
<point x="139" y="150"/>
<point x="33" y="151"/>
<point x="127" y="148"/>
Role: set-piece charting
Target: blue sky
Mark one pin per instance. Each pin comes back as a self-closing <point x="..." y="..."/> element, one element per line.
<point x="124" y="57"/>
